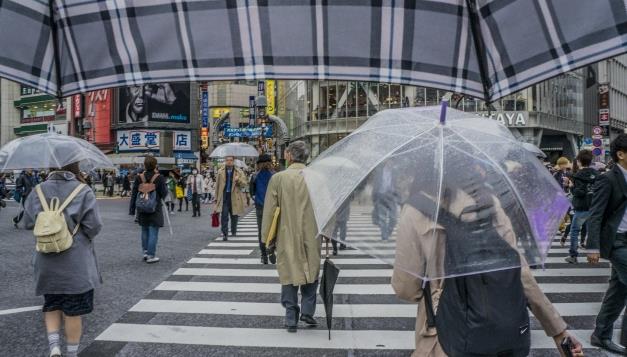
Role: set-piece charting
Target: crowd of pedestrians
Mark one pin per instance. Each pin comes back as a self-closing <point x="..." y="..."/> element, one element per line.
<point x="597" y="223"/>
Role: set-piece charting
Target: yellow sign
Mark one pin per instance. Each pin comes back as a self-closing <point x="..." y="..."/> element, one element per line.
<point x="281" y="98"/>
<point x="217" y="112"/>
<point x="271" y="97"/>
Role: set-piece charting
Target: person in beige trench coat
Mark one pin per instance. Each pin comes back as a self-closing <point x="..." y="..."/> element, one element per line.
<point x="298" y="248"/>
<point x="230" y="204"/>
<point x="416" y="239"/>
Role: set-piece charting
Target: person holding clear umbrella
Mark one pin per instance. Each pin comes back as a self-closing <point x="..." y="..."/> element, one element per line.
<point x="415" y="234"/>
<point x="229" y="197"/>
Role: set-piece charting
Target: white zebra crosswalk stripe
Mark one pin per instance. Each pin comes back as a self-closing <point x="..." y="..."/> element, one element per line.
<point x="221" y="292"/>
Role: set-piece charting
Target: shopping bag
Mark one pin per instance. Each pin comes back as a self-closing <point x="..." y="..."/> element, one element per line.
<point x="215" y="220"/>
<point x="180" y="193"/>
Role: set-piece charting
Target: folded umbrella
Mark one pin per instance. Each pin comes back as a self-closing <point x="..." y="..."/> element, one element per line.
<point x="330" y="273"/>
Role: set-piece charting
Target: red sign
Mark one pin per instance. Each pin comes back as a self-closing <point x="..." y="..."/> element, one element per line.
<point x="77" y="105"/>
<point x="604" y="117"/>
<point x="39" y="119"/>
<point x="98" y="111"/>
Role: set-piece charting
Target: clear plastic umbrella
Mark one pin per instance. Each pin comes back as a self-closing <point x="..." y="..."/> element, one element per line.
<point x="235" y="149"/>
<point x="437" y="199"/>
<point x="51" y="150"/>
<point x="241" y="164"/>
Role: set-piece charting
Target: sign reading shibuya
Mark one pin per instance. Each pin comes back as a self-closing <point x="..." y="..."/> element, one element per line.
<point x="514" y="119"/>
<point x="247" y="132"/>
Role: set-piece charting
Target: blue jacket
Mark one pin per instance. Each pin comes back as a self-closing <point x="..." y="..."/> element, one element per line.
<point x="259" y="185"/>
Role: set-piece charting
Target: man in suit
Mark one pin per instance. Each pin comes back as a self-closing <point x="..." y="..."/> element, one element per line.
<point x="607" y="238"/>
<point x="229" y="196"/>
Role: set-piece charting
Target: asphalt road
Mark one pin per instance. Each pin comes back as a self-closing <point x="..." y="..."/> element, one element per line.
<point x="126" y="277"/>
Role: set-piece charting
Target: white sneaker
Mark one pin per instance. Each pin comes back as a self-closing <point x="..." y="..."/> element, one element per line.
<point x="56" y="352"/>
<point x="152" y="260"/>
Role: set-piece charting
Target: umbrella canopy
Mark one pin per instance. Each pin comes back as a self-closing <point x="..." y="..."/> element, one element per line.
<point x="534" y="150"/>
<point x="241" y="164"/>
<point x="413" y="170"/>
<point x="330" y="273"/>
<point x="480" y="48"/>
<point x="236" y="150"/>
<point x="51" y="150"/>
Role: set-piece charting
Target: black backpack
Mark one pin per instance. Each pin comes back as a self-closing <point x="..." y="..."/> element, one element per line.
<point x="480" y="314"/>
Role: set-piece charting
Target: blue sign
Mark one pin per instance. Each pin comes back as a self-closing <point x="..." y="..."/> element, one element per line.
<point x="251" y="110"/>
<point x="247" y="132"/>
<point x="587" y="141"/>
<point x="205" y="109"/>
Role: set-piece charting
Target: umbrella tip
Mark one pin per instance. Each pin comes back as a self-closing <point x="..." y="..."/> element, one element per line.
<point x="443" y="111"/>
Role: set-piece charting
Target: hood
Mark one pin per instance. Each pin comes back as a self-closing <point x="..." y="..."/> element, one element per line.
<point x="587" y="174"/>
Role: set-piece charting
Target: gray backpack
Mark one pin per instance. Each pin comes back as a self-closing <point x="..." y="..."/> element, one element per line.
<point x="146" y="201"/>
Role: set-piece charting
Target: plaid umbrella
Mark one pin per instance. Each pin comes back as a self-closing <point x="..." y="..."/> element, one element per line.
<point x="482" y="48"/>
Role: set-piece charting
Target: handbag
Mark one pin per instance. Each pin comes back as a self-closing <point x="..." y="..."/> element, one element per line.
<point x="189" y="193"/>
<point x="271" y="240"/>
<point x="179" y="192"/>
<point x="215" y="220"/>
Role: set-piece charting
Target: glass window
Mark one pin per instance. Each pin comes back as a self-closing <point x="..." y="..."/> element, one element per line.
<point x="384" y="96"/>
<point x="395" y="98"/>
<point x="373" y="99"/>
<point x="351" y="102"/>
<point x="362" y="99"/>
<point x="324" y="104"/>
<point x="419" y="99"/>
<point x="332" y="88"/>
<point x="342" y="99"/>
<point x="431" y="97"/>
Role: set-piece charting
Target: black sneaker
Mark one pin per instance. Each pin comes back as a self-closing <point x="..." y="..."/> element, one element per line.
<point x="225" y="238"/>
<point x="310" y="321"/>
<point x="342" y="246"/>
<point x="571" y="260"/>
<point x="334" y="251"/>
<point x="272" y="258"/>
<point x="264" y="259"/>
<point x="292" y="329"/>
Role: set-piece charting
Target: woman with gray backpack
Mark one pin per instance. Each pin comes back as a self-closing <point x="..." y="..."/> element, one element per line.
<point x="149" y="191"/>
<point x="66" y="271"/>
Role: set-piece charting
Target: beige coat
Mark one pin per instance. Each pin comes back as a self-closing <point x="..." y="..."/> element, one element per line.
<point x="237" y="196"/>
<point x="416" y="236"/>
<point x="298" y="248"/>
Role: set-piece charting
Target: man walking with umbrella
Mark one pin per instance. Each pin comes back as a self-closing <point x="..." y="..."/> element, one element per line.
<point x="297" y="248"/>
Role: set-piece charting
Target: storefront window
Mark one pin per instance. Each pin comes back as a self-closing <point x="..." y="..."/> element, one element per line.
<point x="420" y="99"/>
<point x="351" y="103"/>
<point x="324" y="103"/>
<point x="384" y="96"/>
<point x="332" y="88"/>
<point x="431" y="97"/>
<point x="362" y="99"/>
<point x="373" y="95"/>
<point x="395" y="98"/>
<point x="342" y="99"/>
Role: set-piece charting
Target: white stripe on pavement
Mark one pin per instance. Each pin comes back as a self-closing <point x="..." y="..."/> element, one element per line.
<point x="271" y="288"/>
<point x="234" y="244"/>
<point x="344" y="273"/>
<point x="20" y="309"/>
<point x="273" y="338"/>
<point x="225" y="252"/>
<point x="279" y="338"/>
<point x="573" y="288"/>
<point x="339" y="261"/>
<point x="271" y="309"/>
<point x="572" y="272"/>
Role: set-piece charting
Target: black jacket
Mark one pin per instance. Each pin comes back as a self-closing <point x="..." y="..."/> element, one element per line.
<point x="583" y="179"/>
<point x="25" y="183"/>
<point x="607" y="211"/>
<point x="150" y="219"/>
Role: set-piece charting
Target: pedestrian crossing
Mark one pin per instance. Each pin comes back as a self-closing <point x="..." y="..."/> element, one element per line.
<point x="224" y="302"/>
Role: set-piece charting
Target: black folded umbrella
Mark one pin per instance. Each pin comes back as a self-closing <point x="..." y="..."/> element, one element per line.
<point x="329" y="277"/>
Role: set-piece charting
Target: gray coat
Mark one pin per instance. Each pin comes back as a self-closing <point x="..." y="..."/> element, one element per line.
<point x="75" y="270"/>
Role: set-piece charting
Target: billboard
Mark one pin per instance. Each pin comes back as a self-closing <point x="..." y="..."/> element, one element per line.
<point x="271" y="97"/>
<point x="138" y="140"/>
<point x="182" y="141"/>
<point x="162" y="102"/>
<point x="98" y="109"/>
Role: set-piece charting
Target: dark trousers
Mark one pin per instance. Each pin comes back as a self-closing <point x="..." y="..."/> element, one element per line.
<point x="289" y="300"/>
<point x="196" y="204"/>
<point x="616" y="295"/>
<point x="181" y="204"/>
<point x="227" y="211"/>
<point x="17" y="219"/>
<point x="341" y="227"/>
<point x="259" y="211"/>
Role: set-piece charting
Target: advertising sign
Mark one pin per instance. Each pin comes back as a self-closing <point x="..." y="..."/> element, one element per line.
<point x="604" y="117"/>
<point x="98" y="109"/>
<point x="182" y="141"/>
<point x="77" y="105"/>
<point x="251" y="110"/>
<point x="281" y="101"/>
<point x="247" y="132"/>
<point x="261" y="88"/>
<point x="216" y="113"/>
<point x="205" y="109"/>
<point x="604" y="105"/>
<point x="510" y="119"/>
<point x="271" y="96"/>
<point x="163" y="102"/>
<point x="138" y="140"/>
